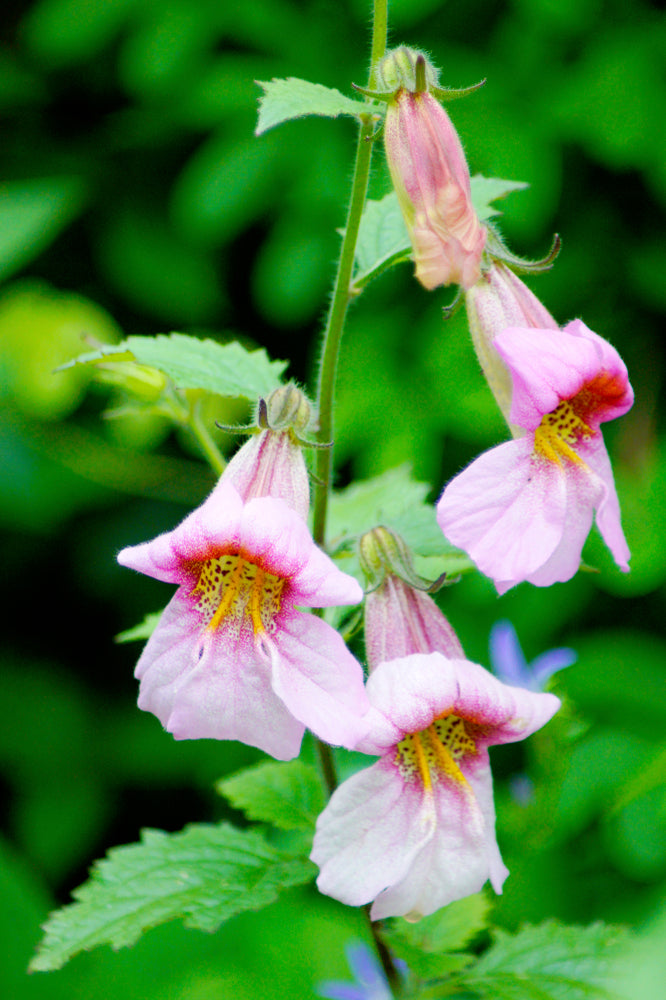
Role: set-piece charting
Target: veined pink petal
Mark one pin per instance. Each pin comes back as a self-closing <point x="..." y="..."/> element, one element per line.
<point x="506" y="510"/>
<point x="548" y="366"/>
<point x="319" y="680"/>
<point x="410" y="692"/>
<point x="224" y="693"/>
<point x="271" y="464"/>
<point x="607" y="514"/>
<point x="452" y="864"/>
<point x="369" y="833"/>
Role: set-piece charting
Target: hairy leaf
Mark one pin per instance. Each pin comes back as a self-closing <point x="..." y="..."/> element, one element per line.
<point x="288" y="795"/>
<point x="226" y="369"/>
<point x="431" y="946"/>
<point x="548" y="962"/>
<point x="294" y="98"/>
<point x="204" y="874"/>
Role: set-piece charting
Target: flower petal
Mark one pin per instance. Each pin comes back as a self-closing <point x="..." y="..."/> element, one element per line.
<point x="319" y="680"/>
<point x="507" y="511"/>
<point x="455" y="861"/>
<point x="607" y="514"/>
<point x="369" y="833"/>
<point x="414" y="691"/>
<point x="224" y="693"/>
<point x="548" y="366"/>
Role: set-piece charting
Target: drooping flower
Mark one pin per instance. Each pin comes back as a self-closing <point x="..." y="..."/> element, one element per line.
<point x="430" y="175"/>
<point x="509" y="664"/>
<point x="523" y="510"/>
<point x="232" y="657"/>
<point x="416" y="830"/>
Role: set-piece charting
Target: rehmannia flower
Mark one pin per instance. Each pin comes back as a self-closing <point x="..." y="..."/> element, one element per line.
<point x="416" y="830"/>
<point x="523" y="510"/>
<point x="430" y="175"/>
<point x="232" y="656"/>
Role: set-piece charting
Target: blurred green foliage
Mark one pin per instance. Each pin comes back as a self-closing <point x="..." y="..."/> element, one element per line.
<point x="134" y="199"/>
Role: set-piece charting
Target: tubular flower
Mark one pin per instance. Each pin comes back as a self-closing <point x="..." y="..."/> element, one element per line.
<point x="431" y="177"/>
<point x="232" y="657"/>
<point x="523" y="510"/>
<point x="497" y="301"/>
<point x="416" y="830"/>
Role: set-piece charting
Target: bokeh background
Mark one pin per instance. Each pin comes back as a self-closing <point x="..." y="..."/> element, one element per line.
<point x="135" y="199"/>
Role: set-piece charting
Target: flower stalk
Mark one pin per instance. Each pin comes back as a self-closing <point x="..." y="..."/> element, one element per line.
<point x="342" y="288"/>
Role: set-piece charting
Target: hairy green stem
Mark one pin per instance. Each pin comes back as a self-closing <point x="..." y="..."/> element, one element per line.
<point x="342" y="293"/>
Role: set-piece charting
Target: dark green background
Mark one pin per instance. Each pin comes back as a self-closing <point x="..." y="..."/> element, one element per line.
<point x="135" y="199"/>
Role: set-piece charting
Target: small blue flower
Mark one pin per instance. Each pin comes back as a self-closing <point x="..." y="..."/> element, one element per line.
<point x="370" y="981"/>
<point x="509" y="664"/>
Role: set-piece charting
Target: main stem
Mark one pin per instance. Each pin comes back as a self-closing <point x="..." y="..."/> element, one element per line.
<point x="342" y="294"/>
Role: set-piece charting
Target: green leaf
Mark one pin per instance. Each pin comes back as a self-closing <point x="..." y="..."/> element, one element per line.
<point x="397" y="501"/>
<point x="204" y="874"/>
<point x="383" y="239"/>
<point x="226" y="369"/>
<point x="488" y="189"/>
<point x="32" y="213"/>
<point x="430" y="946"/>
<point x="293" y="98"/>
<point x="288" y="795"/>
<point x="143" y="630"/>
<point x="548" y="962"/>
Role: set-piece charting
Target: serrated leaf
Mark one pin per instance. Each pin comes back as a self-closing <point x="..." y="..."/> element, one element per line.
<point x="485" y="190"/>
<point x="548" y="962"/>
<point x="431" y="946"/>
<point x="283" y="100"/>
<point x="287" y="795"/>
<point x="383" y="239"/>
<point x="143" y="630"/>
<point x="226" y="369"/>
<point x="204" y="875"/>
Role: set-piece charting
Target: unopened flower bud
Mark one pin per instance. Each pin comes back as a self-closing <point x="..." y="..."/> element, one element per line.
<point x="407" y="69"/>
<point x="497" y="301"/>
<point x="288" y="408"/>
<point x="431" y="177"/>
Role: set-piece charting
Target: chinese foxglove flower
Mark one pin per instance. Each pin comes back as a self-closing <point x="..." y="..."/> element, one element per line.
<point x="430" y="176"/>
<point x="416" y="830"/>
<point x="232" y="656"/>
<point x="523" y="510"/>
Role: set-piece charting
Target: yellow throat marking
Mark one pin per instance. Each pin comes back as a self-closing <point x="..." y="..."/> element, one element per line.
<point x="433" y="753"/>
<point x="558" y="432"/>
<point x="229" y="588"/>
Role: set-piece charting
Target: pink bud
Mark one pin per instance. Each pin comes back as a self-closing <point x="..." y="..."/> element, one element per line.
<point x="497" y="301"/>
<point x="431" y="179"/>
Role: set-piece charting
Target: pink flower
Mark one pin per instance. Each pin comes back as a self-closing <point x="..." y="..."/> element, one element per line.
<point x="430" y="175"/>
<point x="523" y="510"/>
<point x="416" y="830"/>
<point x="232" y="656"/>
